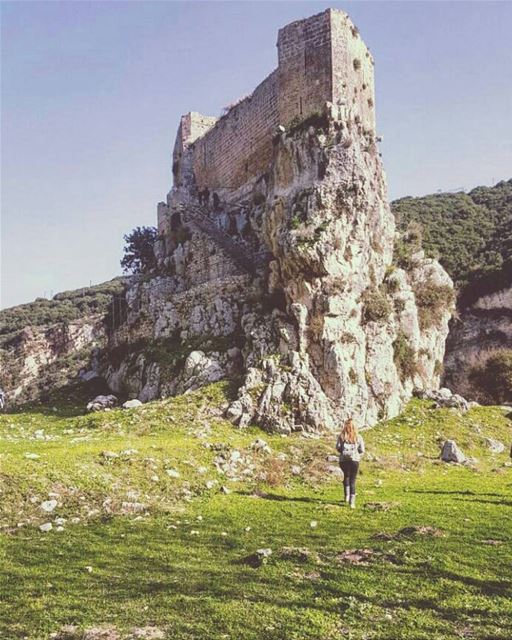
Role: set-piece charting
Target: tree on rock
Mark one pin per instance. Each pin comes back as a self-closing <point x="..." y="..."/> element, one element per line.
<point x="139" y="256"/>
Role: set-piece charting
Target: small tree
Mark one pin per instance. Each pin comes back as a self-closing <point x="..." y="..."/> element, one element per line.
<point x="139" y="256"/>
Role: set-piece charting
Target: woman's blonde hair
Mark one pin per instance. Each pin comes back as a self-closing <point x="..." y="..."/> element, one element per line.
<point x="349" y="432"/>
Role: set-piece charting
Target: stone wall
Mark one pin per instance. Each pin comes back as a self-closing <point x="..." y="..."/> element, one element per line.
<point x="239" y="146"/>
<point x="321" y="59"/>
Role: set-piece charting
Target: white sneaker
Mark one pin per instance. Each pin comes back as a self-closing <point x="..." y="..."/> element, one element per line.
<point x="352" y="501"/>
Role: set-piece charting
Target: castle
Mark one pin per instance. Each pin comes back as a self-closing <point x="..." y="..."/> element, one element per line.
<point x="275" y="254"/>
<point x="322" y="60"/>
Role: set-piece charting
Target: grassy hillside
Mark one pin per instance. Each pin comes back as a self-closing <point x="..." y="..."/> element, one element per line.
<point x="471" y="234"/>
<point x="154" y="536"/>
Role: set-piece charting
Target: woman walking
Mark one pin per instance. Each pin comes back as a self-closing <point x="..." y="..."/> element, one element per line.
<point x="351" y="449"/>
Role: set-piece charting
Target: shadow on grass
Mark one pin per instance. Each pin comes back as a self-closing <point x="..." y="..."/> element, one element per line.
<point x="466" y="492"/>
<point x="282" y="498"/>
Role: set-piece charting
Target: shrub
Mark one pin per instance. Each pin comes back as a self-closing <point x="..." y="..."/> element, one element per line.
<point x="433" y="300"/>
<point x="376" y="307"/>
<point x="406" y="245"/>
<point x="438" y="368"/>
<point x="404" y="357"/>
<point x="494" y="378"/>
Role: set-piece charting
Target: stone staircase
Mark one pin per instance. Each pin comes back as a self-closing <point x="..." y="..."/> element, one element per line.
<point x="240" y="252"/>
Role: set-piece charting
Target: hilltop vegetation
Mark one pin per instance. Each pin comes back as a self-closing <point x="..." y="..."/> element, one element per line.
<point x="63" y="307"/>
<point x="160" y="510"/>
<point x="470" y="234"/>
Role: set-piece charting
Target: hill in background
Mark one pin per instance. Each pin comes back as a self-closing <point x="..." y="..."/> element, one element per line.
<point x="470" y="234"/>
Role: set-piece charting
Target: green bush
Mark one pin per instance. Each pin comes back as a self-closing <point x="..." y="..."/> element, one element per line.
<point x="406" y="245"/>
<point x="376" y="306"/>
<point x="494" y="378"/>
<point x="404" y="357"/>
<point x="432" y="301"/>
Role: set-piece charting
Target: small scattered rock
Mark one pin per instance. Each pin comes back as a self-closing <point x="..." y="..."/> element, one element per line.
<point x="101" y="403"/>
<point x="495" y="446"/>
<point x="47" y="526"/>
<point x="172" y="473"/>
<point x="146" y="633"/>
<point x="381" y="506"/>
<point x="261" y="445"/>
<point x="48" y="505"/>
<point x="32" y="456"/>
<point x="101" y="633"/>
<point x="109" y="455"/>
<point x="68" y="632"/>
<point x="133" y="507"/>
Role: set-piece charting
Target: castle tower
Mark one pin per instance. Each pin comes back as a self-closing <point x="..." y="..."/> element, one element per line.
<point x="321" y="59"/>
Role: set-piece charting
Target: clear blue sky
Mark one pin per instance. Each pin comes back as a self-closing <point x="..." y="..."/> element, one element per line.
<point x="92" y="93"/>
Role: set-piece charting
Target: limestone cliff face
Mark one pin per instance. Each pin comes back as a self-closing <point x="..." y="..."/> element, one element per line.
<point x="330" y="228"/>
<point x="41" y="359"/>
<point x="328" y="329"/>
<point x="480" y="330"/>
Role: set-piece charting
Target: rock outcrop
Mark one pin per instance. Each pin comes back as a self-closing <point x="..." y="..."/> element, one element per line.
<point x="331" y="329"/>
<point x="480" y="331"/>
<point x="38" y="360"/>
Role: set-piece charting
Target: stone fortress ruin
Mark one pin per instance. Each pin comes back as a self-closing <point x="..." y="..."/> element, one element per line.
<point x="321" y="60"/>
<point x="275" y="254"/>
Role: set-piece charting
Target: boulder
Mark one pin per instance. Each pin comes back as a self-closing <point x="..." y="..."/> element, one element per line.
<point x="101" y="403"/>
<point x="451" y="452"/>
<point x="456" y="402"/>
<point x="444" y="399"/>
<point x="132" y="404"/>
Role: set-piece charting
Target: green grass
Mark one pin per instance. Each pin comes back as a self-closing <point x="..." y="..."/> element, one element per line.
<point x="149" y="568"/>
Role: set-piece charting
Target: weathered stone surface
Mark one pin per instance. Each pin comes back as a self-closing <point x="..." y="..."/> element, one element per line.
<point x="480" y="330"/>
<point x="495" y="446"/>
<point x="450" y="452"/>
<point x="100" y="403"/>
<point x="132" y="404"/>
<point x="28" y="366"/>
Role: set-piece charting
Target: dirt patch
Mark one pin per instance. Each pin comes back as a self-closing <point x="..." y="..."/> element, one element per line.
<point x="357" y="556"/>
<point x="299" y="554"/>
<point x="410" y="532"/>
<point x="103" y="632"/>
<point x="381" y="506"/>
